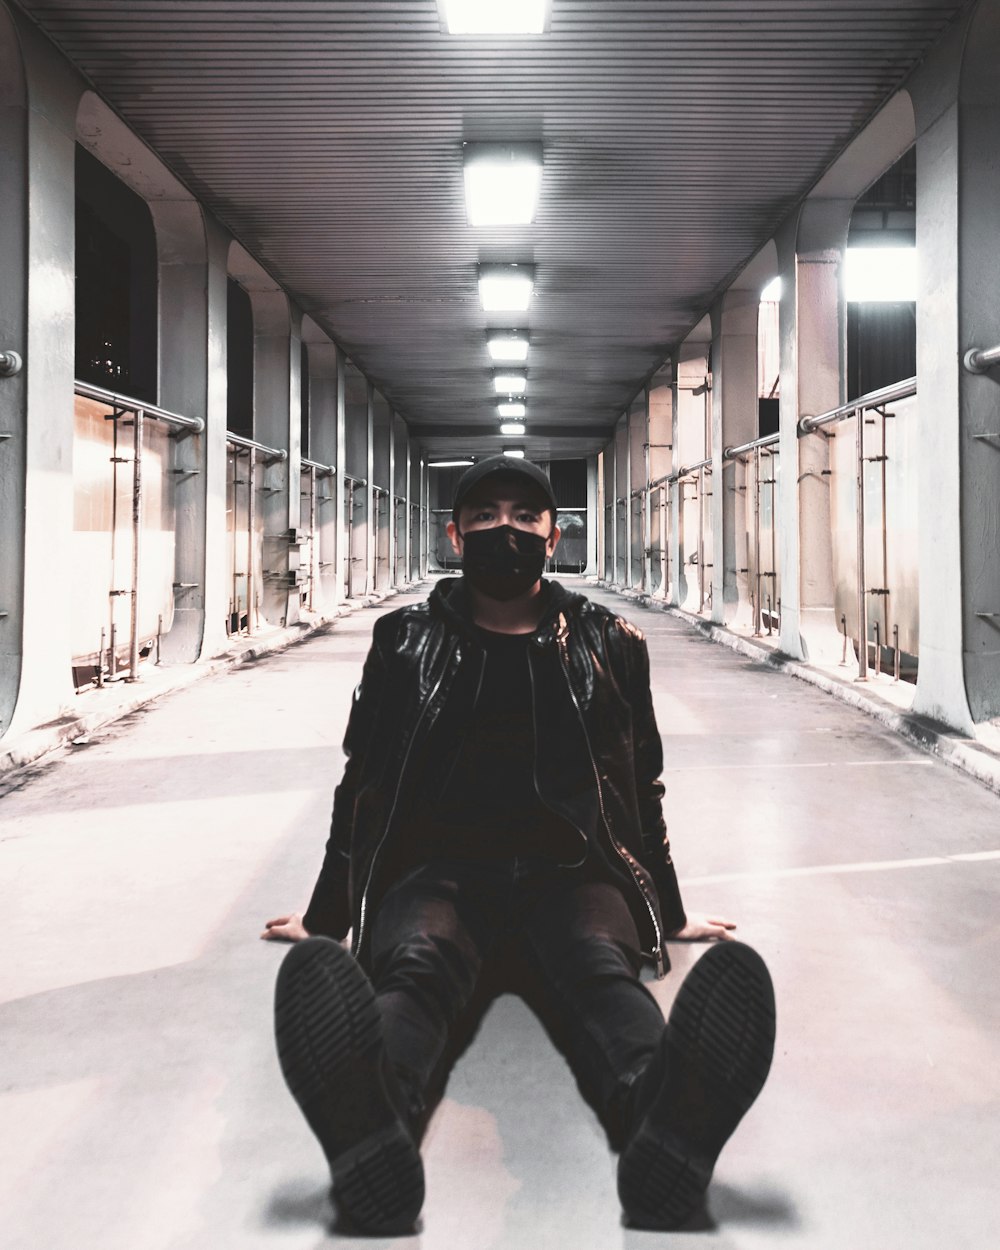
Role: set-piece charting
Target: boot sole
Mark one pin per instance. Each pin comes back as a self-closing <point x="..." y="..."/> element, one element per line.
<point x="720" y="1041"/>
<point x="329" y="1039"/>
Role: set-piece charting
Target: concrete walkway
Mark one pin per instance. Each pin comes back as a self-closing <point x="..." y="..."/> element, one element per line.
<point x="142" y="1104"/>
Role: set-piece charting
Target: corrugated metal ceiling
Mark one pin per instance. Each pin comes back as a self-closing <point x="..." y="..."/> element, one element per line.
<point x="328" y="137"/>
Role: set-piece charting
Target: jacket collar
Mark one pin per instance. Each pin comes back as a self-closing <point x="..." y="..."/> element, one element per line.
<point x="450" y="599"/>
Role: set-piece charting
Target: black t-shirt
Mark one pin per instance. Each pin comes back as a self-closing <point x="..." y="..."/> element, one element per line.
<point x="487" y="806"/>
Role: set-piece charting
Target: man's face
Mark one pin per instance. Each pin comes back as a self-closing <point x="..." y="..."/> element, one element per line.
<point x="504" y="501"/>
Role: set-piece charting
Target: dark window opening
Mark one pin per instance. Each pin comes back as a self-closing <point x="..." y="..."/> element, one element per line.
<point x="569" y="485"/>
<point x="239" y="360"/>
<point x="116" y="283"/>
<point x="767" y="417"/>
<point x="304" y="392"/>
<point x="882" y="337"/>
<point x="881" y="346"/>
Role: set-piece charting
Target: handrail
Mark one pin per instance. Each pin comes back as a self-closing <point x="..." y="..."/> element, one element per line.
<point x="327" y="469"/>
<point x="688" y="468"/>
<point x="237" y="440"/>
<point x="355" y="481"/>
<point x="979" y="359"/>
<point x="874" y="399"/>
<point x="744" y="449"/>
<point x="131" y="404"/>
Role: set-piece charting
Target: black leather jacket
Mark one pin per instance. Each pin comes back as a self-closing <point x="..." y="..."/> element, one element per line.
<point x="592" y="709"/>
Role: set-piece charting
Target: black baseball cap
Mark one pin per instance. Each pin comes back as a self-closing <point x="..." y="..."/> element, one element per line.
<point x="509" y="466"/>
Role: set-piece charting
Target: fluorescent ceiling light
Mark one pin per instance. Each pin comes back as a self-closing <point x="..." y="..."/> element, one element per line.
<point x="505" y="288"/>
<point x="515" y="453"/>
<point x="512" y="427"/>
<point x="772" y="292"/>
<point x="449" y="464"/>
<point x="508" y="347"/>
<point x="511" y="410"/>
<point x="495" y="17"/>
<point x="509" y="383"/>
<point x="880" y="275"/>
<point x="501" y="183"/>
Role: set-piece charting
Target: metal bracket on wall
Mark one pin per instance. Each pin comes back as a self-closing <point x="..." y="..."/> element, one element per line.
<point x="983" y="438"/>
<point x="10" y="364"/>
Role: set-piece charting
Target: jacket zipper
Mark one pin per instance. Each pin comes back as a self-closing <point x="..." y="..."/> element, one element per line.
<point x="657" y="951"/>
<point x="475" y="703"/>
<point x="395" y="799"/>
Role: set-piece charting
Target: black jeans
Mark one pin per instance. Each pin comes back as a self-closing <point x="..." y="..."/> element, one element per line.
<point x="435" y="929"/>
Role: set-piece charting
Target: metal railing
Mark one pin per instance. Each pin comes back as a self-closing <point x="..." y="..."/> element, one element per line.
<point x="760" y="483"/>
<point x="694" y="474"/>
<point x="979" y="359"/>
<point x="874" y="401"/>
<point x="129" y="403"/>
<point x="314" y="471"/>
<point x="252" y="449"/>
<point x="140" y="410"/>
<point x="656" y="552"/>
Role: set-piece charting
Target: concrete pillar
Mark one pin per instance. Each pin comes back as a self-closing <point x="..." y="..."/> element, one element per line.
<point x="956" y="98"/>
<point x="691" y="437"/>
<point x="192" y="251"/>
<point x="813" y="321"/>
<point x="734" y="421"/>
<point x="610" y="528"/>
<point x="358" y="465"/>
<point x="660" y="465"/>
<point x="638" y="437"/>
<point x="277" y="422"/>
<point x="401" y="510"/>
<point x="39" y="96"/>
<point x="383" y="506"/>
<point x="594" y="516"/>
<point x="371" y="520"/>
<point x="325" y="420"/>
<point x="621" y="499"/>
<point x="425" y="517"/>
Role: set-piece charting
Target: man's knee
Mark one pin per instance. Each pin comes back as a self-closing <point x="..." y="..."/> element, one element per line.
<point x="429" y="967"/>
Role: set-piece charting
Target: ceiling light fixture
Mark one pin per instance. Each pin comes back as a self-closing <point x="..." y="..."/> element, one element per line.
<point x="449" y="464"/>
<point x="515" y="453"/>
<point x="511" y="410"/>
<point x="501" y="183"/>
<point x="495" y="17"/>
<point x="505" y="288"/>
<point x="512" y="427"/>
<point x="509" y="383"/>
<point x="508" y="347"/>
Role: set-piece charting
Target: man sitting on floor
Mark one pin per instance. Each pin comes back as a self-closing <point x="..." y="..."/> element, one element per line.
<point x="502" y="782"/>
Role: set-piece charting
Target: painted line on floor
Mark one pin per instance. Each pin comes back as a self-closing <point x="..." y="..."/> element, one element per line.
<point x="819" y="870"/>
<point x="707" y="768"/>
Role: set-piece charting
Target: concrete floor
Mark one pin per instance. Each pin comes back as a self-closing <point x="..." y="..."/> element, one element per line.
<point x="141" y="1099"/>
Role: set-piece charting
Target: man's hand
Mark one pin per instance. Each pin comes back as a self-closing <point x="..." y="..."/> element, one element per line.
<point x="700" y="928"/>
<point x="285" y="929"/>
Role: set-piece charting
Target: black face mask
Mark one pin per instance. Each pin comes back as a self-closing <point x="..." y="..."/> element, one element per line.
<point x="503" y="562"/>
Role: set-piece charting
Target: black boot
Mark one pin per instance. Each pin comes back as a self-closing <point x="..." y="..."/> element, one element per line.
<point x="712" y="1063"/>
<point x="329" y="1037"/>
